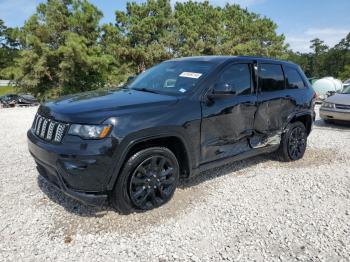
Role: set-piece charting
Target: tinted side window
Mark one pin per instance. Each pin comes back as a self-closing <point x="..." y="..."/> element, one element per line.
<point x="238" y="78"/>
<point x="294" y="80"/>
<point x="271" y="77"/>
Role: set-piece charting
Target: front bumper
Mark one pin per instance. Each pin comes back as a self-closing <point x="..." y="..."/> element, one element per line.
<point x="56" y="180"/>
<point x="80" y="169"/>
<point x="335" y="114"/>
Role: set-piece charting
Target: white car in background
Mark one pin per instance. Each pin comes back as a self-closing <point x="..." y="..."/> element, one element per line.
<point x="337" y="107"/>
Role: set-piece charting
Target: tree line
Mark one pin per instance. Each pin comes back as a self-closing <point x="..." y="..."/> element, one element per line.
<point x="64" y="48"/>
<point x="324" y="60"/>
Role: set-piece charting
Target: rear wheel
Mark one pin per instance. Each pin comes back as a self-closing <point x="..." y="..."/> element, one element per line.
<point x="293" y="142"/>
<point x="148" y="180"/>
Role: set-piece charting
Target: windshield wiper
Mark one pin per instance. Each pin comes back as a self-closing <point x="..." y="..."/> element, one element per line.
<point x="145" y="90"/>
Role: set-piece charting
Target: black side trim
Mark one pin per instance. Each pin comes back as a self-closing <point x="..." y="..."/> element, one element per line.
<point x="245" y="155"/>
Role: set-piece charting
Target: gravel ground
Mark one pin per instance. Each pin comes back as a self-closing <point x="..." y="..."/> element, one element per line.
<point x="257" y="209"/>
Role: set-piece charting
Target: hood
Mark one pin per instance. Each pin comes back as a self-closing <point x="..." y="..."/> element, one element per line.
<point x="95" y="106"/>
<point x="343" y="99"/>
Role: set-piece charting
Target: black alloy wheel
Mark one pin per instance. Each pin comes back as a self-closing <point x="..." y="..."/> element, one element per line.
<point x="293" y="142"/>
<point x="153" y="182"/>
<point x="297" y="143"/>
<point x="148" y="180"/>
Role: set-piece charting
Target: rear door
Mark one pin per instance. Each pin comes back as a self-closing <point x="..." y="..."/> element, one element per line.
<point x="228" y="121"/>
<point x="274" y="103"/>
<point x="295" y="88"/>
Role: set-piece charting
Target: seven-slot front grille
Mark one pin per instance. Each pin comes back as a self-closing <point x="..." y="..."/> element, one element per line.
<point x="345" y="107"/>
<point x="48" y="129"/>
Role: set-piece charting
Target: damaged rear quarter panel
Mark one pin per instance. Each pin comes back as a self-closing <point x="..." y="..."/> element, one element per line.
<point x="276" y="109"/>
<point x="273" y="113"/>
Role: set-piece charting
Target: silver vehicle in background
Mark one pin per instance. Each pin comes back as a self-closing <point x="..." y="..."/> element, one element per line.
<point x="337" y="107"/>
<point x="346" y="83"/>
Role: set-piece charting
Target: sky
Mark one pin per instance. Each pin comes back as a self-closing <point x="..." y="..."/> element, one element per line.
<point x="299" y="20"/>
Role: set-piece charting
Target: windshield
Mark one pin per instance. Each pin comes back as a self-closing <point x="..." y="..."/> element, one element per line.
<point x="346" y="90"/>
<point x="171" y="77"/>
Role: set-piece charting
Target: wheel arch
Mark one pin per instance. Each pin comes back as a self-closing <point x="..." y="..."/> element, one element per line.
<point x="305" y="118"/>
<point x="174" y="141"/>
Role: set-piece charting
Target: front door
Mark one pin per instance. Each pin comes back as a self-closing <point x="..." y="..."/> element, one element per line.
<point x="228" y="121"/>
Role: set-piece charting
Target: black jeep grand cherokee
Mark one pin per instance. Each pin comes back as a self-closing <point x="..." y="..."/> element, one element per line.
<point x="174" y="120"/>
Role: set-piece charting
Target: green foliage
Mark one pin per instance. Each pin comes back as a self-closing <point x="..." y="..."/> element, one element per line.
<point x="198" y="29"/>
<point x="304" y="60"/>
<point x="345" y="73"/>
<point x="119" y="68"/>
<point x="151" y="32"/>
<point x="247" y="33"/>
<point x="324" y="61"/>
<point x="8" y="51"/>
<point x="63" y="48"/>
<point x="318" y="59"/>
<point x="146" y="33"/>
<point x="61" y="51"/>
<point x="202" y="29"/>
<point x="4" y="90"/>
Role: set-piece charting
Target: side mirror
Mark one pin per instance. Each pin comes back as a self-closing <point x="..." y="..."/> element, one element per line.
<point x="221" y="90"/>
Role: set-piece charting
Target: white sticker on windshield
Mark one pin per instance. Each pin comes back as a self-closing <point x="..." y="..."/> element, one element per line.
<point x="191" y="75"/>
<point x="182" y="90"/>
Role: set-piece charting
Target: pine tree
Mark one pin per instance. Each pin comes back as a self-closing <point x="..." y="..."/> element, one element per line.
<point x="61" y="50"/>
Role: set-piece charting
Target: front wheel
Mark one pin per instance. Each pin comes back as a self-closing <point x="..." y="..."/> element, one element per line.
<point x="148" y="180"/>
<point x="293" y="142"/>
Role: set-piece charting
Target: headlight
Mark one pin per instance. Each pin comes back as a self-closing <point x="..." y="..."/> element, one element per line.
<point x="328" y="105"/>
<point x="90" y="131"/>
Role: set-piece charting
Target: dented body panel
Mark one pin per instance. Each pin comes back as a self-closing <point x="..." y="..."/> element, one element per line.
<point x="226" y="127"/>
<point x="237" y="124"/>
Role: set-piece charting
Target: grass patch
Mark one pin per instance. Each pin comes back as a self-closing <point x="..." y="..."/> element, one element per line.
<point x="6" y="90"/>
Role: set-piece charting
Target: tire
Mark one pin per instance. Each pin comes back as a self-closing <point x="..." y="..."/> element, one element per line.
<point x="293" y="143"/>
<point x="147" y="180"/>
